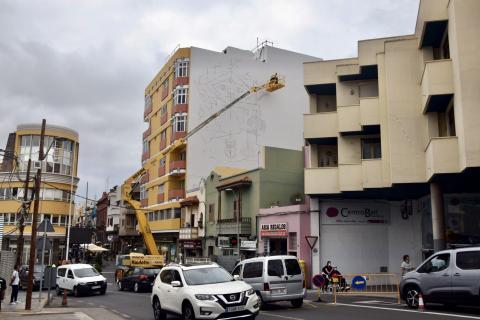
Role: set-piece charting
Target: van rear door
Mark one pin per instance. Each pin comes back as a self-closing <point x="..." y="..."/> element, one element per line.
<point x="294" y="276"/>
<point x="276" y="276"/>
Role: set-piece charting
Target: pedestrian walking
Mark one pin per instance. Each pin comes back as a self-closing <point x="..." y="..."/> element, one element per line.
<point x="14" y="282"/>
<point x="405" y="266"/>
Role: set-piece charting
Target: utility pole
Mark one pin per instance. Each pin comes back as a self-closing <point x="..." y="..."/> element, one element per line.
<point x="21" y="239"/>
<point x="36" y="205"/>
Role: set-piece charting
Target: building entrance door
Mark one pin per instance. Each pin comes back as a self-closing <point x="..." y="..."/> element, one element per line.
<point x="278" y="246"/>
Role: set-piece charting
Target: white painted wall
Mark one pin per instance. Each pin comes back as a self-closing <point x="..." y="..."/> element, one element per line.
<point x="264" y="119"/>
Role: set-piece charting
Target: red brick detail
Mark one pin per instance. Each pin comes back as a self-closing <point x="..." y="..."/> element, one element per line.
<point x="180" y="108"/>
<point x="163" y="118"/>
<point x="176" y="193"/>
<point x="177" y="135"/>
<point x="144" y="202"/>
<point x="180" y="81"/>
<point x="160" y="197"/>
<point x="163" y="144"/>
<point x="147" y="111"/>
<point x="179" y="164"/>
<point x="165" y="92"/>
<point x="145" y="178"/>
<point x="147" y="133"/>
<point x="145" y="156"/>
<point x="161" y="171"/>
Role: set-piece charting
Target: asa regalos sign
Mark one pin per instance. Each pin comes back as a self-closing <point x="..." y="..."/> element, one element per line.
<point x="274" y="230"/>
<point x="355" y="213"/>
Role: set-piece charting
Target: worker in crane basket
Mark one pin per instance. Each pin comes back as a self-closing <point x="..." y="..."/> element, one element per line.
<point x="274" y="79"/>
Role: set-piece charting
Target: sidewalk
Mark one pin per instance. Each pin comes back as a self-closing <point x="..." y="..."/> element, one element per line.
<point x="64" y="314"/>
<point x="20" y="306"/>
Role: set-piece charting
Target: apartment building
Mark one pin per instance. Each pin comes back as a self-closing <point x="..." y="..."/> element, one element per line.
<point x="59" y="172"/>
<point x="393" y="143"/>
<point x="192" y="85"/>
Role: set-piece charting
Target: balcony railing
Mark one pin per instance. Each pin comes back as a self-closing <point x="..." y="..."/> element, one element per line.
<point x="442" y="156"/>
<point x="180" y="108"/>
<point x="178" y="165"/>
<point x="161" y="171"/>
<point x="180" y="81"/>
<point x="320" y="125"/>
<point x="323" y="180"/>
<point x="176" y="194"/>
<point x="230" y="226"/>
<point x="177" y="135"/>
<point x="147" y="133"/>
<point x="188" y="233"/>
<point x="437" y="85"/>
<point x="145" y="156"/>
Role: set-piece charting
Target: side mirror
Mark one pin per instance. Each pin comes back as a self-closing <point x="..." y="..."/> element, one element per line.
<point x="236" y="277"/>
<point x="176" y="284"/>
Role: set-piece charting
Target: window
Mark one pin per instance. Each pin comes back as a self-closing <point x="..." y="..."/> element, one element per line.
<point x="180" y="95"/>
<point x="179" y="123"/>
<point x="143" y="194"/>
<point x="469" y="260"/>
<point x="436" y="264"/>
<point x="292" y="266"/>
<point x="61" y="272"/>
<point x="55" y="219"/>
<point x="163" y="135"/>
<point x="148" y="102"/>
<point x="371" y="148"/>
<point x="237" y="207"/>
<point x="211" y="212"/>
<point x="63" y="220"/>
<point x="163" y="110"/>
<point x="145" y="146"/>
<point x="166" y="276"/>
<point x="275" y="268"/>
<point x="70" y="274"/>
<point x="327" y="155"/>
<point x="181" y="68"/>
<point x="162" y="162"/>
<point x="176" y="276"/>
<point x="446" y="123"/>
<point x="237" y="271"/>
<point x="165" y="86"/>
<point x="161" y="189"/>
<point x="253" y="270"/>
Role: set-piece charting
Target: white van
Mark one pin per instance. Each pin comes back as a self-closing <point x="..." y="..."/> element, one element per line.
<point x="274" y="278"/>
<point x="80" y="279"/>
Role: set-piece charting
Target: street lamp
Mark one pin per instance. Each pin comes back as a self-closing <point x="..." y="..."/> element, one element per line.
<point x="236" y="199"/>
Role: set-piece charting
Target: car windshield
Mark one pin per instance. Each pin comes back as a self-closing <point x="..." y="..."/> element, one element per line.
<point x="201" y="276"/>
<point x="86" y="272"/>
<point x="151" y="272"/>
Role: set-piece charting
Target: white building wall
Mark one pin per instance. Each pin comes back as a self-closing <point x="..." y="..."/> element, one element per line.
<point x="264" y="119"/>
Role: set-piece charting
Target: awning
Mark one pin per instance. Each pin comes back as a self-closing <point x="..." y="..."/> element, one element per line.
<point x="93" y="248"/>
<point x="244" y="182"/>
<point x="189" y="201"/>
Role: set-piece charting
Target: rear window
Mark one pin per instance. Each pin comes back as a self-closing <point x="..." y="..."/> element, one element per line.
<point x="253" y="270"/>
<point x="275" y="268"/>
<point x="292" y="266"/>
<point x="61" y="272"/>
<point x="469" y="260"/>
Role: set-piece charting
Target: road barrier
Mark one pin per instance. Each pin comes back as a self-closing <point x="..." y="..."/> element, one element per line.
<point x="372" y="284"/>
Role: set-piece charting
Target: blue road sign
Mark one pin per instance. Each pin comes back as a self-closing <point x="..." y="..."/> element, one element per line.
<point x="359" y="282"/>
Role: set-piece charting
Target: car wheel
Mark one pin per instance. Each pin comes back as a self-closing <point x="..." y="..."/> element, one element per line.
<point x="120" y="286"/>
<point x="136" y="288"/>
<point x="187" y="312"/>
<point x="261" y="303"/>
<point x="158" y="313"/>
<point x="411" y="297"/>
<point x="297" y="303"/>
<point x="75" y="292"/>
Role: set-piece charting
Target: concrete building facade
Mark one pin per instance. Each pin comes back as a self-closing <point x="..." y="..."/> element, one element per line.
<point x="393" y="143"/>
<point x="59" y="171"/>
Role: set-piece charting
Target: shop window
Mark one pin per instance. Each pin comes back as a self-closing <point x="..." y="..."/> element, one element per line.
<point x="292" y="267"/>
<point x="469" y="260"/>
<point x="253" y="270"/>
<point x="371" y="148"/>
<point x="275" y="268"/>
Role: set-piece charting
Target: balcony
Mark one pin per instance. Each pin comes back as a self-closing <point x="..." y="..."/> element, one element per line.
<point x="188" y="233"/>
<point x="369" y="111"/>
<point x="230" y="226"/>
<point x="178" y="166"/>
<point x="437" y="85"/>
<point x="180" y="81"/>
<point x="165" y="225"/>
<point x="160" y="197"/>
<point x="176" y="194"/>
<point x="349" y="119"/>
<point x="320" y="125"/>
<point x="128" y="231"/>
<point x="442" y="156"/>
<point x="146" y="133"/>
<point x="323" y="180"/>
<point x="432" y="15"/>
<point x="372" y="173"/>
<point x="177" y="135"/>
<point x="180" y="108"/>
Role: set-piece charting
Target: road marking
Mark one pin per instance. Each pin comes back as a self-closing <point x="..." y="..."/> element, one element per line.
<point x="377" y="302"/>
<point x="310" y="304"/>
<point x="89" y="303"/>
<point x="405" y="310"/>
<point x="277" y="315"/>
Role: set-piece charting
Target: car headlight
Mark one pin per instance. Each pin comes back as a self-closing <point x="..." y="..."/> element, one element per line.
<point x="204" y="297"/>
<point x="250" y="292"/>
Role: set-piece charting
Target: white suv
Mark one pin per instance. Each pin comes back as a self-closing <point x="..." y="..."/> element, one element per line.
<point x="202" y="292"/>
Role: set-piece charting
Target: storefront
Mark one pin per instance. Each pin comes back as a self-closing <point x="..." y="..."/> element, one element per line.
<point x="191" y="248"/>
<point x="167" y="245"/>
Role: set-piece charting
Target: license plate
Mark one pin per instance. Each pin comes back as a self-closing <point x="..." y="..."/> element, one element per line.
<point x="279" y="291"/>
<point x="235" y="309"/>
<point x="96" y="287"/>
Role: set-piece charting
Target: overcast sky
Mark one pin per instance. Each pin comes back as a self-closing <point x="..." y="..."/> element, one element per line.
<point x="85" y="64"/>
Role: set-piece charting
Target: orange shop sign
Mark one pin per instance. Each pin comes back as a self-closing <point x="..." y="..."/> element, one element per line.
<point x="274" y="230"/>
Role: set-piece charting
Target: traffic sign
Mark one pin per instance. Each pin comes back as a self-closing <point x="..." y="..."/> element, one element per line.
<point x="318" y="281"/>
<point x="359" y="282"/>
<point x="311" y="240"/>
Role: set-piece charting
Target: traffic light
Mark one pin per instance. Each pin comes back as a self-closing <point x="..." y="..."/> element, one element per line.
<point x="233" y="241"/>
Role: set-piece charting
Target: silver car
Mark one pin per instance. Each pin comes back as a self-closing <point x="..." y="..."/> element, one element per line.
<point x="451" y="277"/>
<point x="275" y="278"/>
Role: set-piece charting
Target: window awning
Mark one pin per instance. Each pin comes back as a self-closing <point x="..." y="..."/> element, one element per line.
<point x="189" y="201"/>
<point x="235" y="184"/>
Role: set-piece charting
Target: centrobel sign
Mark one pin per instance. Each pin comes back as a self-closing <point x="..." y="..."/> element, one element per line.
<point x="355" y="213"/>
<point x="274" y="229"/>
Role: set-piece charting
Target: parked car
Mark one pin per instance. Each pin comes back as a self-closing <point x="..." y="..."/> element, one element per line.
<point x="138" y="279"/>
<point x="275" y="278"/>
<point x="204" y="291"/>
<point x="80" y="279"/>
<point x="450" y="277"/>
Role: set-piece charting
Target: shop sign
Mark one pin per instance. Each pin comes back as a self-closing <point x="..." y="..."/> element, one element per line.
<point x="245" y="244"/>
<point x="355" y="213"/>
<point x="223" y="242"/>
<point x="274" y="230"/>
<point x="191" y="244"/>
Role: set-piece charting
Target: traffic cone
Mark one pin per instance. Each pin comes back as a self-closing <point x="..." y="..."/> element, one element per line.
<point x="421" y="305"/>
<point x="64" y="300"/>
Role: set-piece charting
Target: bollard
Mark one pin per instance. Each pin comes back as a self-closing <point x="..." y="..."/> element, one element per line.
<point x="64" y="299"/>
<point x="421" y="305"/>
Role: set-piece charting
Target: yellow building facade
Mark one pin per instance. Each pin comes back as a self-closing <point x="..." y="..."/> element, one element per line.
<point x="164" y="158"/>
<point x="59" y="178"/>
